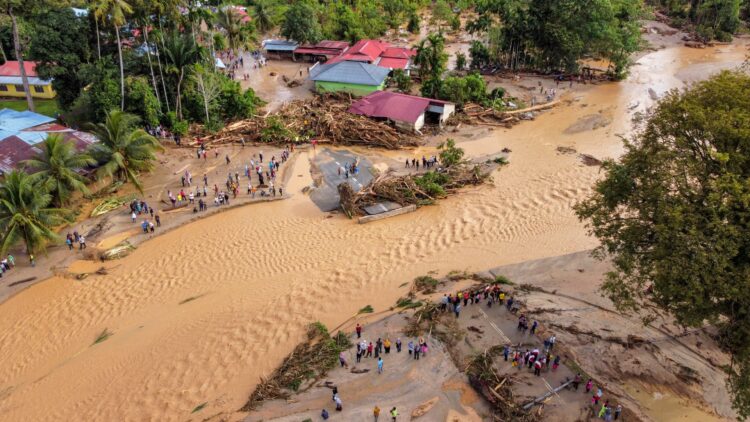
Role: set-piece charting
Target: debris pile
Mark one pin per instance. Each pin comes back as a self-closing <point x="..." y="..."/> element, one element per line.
<point x="412" y="189"/>
<point x="310" y="360"/>
<point x="496" y="389"/>
<point x="324" y="117"/>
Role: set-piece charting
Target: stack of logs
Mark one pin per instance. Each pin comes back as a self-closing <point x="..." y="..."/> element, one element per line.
<point x="323" y="117"/>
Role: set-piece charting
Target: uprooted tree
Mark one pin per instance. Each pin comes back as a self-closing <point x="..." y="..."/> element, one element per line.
<point x="674" y="219"/>
<point x="418" y="190"/>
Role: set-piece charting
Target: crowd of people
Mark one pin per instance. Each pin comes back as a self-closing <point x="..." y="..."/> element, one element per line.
<point x="8" y="264"/>
<point x="426" y="162"/>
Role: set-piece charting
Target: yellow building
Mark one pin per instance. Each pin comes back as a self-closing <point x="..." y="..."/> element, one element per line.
<point x="11" y="83"/>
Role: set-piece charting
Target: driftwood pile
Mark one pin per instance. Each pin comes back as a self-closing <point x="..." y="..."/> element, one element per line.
<point x="404" y="190"/>
<point x="477" y="114"/>
<point x="496" y="389"/>
<point x="324" y="118"/>
<point x="310" y="360"/>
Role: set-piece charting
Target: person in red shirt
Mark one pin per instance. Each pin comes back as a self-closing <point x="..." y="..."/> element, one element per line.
<point x="359" y="331"/>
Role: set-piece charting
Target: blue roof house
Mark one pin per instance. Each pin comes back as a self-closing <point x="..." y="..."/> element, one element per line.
<point x="358" y="78"/>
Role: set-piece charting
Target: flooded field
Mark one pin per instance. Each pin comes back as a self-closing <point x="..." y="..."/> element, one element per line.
<point x="199" y="314"/>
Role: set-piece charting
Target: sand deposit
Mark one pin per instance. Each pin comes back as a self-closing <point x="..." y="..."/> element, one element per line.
<point x="198" y="314"/>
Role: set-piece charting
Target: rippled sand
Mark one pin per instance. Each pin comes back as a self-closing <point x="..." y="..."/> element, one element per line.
<point x="256" y="275"/>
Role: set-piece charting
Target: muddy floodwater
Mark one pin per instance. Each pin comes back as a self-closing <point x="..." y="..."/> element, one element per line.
<point x="199" y="314"/>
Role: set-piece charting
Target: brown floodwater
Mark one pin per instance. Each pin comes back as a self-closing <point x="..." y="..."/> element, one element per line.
<point x="200" y="313"/>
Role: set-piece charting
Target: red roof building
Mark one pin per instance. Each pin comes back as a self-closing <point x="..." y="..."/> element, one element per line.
<point x="363" y="51"/>
<point x="406" y="111"/>
<point x="11" y="68"/>
<point x="324" y="50"/>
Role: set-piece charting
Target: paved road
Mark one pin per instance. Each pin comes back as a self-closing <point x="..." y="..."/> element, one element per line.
<point x="326" y="197"/>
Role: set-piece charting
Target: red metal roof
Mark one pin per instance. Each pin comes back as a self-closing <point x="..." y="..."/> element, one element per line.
<point x="393" y="63"/>
<point x="11" y="68"/>
<point x="399" y="52"/>
<point x="13" y="150"/>
<point x="392" y="105"/>
<point x="363" y="51"/>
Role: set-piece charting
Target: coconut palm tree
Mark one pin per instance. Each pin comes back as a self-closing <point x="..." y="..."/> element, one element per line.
<point x="123" y="151"/>
<point x="8" y="9"/>
<point x="116" y="11"/>
<point x="56" y="168"/>
<point x="263" y="16"/>
<point x="239" y="34"/>
<point x="25" y="214"/>
<point x="181" y="52"/>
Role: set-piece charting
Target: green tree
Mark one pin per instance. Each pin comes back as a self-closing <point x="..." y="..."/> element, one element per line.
<point x="141" y="100"/>
<point x="208" y="86"/>
<point x="431" y="59"/>
<point x="460" y="61"/>
<point x="413" y="24"/>
<point x="450" y="154"/>
<point x="263" y="14"/>
<point x="123" y="151"/>
<point x="181" y="53"/>
<point x="236" y="104"/>
<point x="673" y="217"/>
<point x="116" y="11"/>
<point x="239" y="34"/>
<point x="56" y="169"/>
<point x="403" y="81"/>
<point x="301" y="24"/>
<point x="480" y="55"/>
<point x="25" y="214"/>
<point x="59" y="44"/>
<point x="460" y="90"/>
<point x="11" y="9"/>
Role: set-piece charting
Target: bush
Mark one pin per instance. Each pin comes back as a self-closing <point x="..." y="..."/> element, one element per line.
<point x="403" y="81"/>
<point x="450" y="155"/>
<point x="141" y="100"/>
<point x="413" y="25"/>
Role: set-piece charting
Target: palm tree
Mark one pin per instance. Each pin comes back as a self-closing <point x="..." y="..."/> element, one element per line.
<point x="19" y="54"/>
<point x="24" y="214"/>
<point x="123" y="150"/>
<point x="181" y="52"/>
<point x="116" y="11"/>
<point x="238" y="33"/>
<point x="263" y="18"/>
<point x="56" y="168"/>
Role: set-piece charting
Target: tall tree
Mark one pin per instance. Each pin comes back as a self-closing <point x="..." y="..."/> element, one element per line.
<point x="239" y="34"/>
<point x="9" y="7"/>
<point x="181" y="52"/>
<point x="208" y="85"/>
<point x="301" y="24"/>
<point x="56" y="168"/>
<point x="123" y="151"/>
<point x="25" y="214"/>
<point x="431" y="59"/>
<point x="263" y="14"/>
<point x="673" y="217"/>
<point x="116" y="11"/>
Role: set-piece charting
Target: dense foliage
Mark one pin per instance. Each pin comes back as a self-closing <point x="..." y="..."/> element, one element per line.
<point x="711" y="19"/>
<point x="673" y="217"/>
<point x="555" y="36"/>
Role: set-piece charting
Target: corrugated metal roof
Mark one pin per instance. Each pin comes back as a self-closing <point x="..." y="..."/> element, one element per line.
<point x="393" y="63"/>
<point x="279" y="45"/>
<point x="17" y="80"/>
<point x="19" y="120"/>
<point x="11" y="68"/>
<point x="392" y="105"/>
<point x="350" y="73"/>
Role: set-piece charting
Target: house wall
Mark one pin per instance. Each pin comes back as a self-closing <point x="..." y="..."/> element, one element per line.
<point x="9" y="90"/>
<point x="355" y="89"/>
<point x="448" y="110"/>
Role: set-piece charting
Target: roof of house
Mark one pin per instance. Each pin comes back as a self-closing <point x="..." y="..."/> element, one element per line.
<point x="21" y="131"/>
<point x="11" y="68"/>
<point x="399" y="52"/>
<point x="17" y="80"/>
<point x="363" y="51"/>
<point x="392" y="105"/>
<point x="324" y="48"/>
<point x="279" y="45"/>
<point x="350" y="72"/>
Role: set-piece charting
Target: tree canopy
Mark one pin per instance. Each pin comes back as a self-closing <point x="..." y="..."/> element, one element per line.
<point x="673" y="216"/>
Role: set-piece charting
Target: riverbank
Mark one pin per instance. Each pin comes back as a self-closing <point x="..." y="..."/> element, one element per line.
<point x="198" y="314"/>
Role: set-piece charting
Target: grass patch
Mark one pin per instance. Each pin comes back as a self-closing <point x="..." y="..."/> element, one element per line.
<point x="408" y="303"/>
<point x="426" y="284"/>
<point x="500" y="160"/>
<point x="501" y="279"/>
<point x="366" y="310"/>
<point x="46" y="107"/>
<point x="105" y="334"/>
<point x="199" y="407"/>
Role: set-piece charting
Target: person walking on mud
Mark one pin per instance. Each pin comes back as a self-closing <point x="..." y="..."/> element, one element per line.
<point x="358" y="329"/>
<point x="394" y="414"/>
<point x="380" y="365"/>
<point x="376" y="413"/>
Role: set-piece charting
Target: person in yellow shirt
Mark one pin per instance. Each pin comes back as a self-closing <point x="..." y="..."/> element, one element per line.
<point x="387" y="345"/>
<point x="376" y="413"/>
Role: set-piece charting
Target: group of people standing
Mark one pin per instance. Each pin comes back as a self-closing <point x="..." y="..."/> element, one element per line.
<point x="426" y="162"/>
<point x="7" y="264"/>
